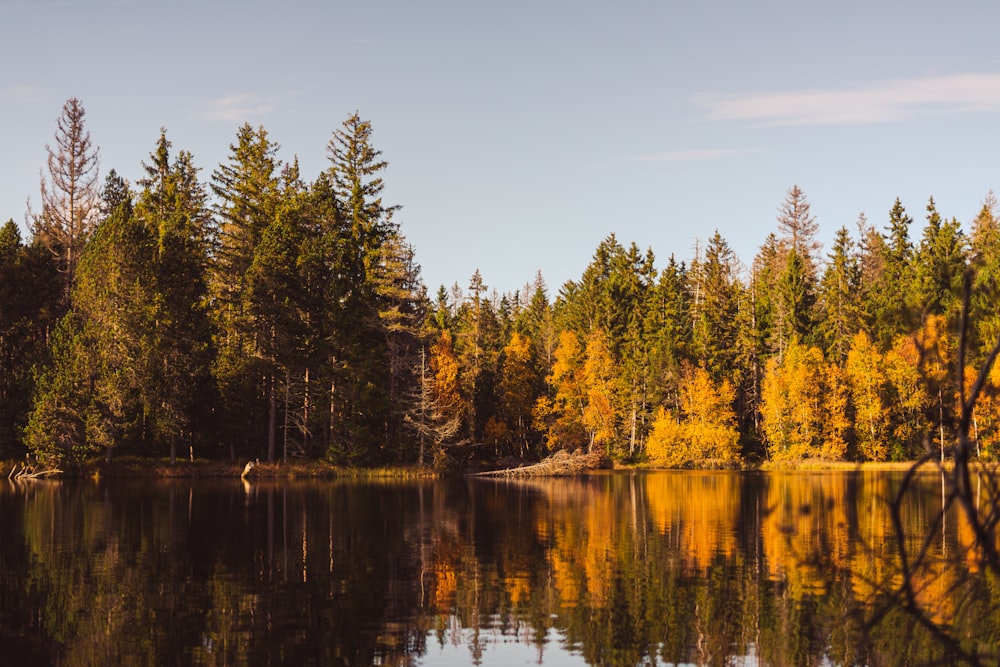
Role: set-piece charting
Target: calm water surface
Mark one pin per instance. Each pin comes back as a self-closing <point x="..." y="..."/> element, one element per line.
<point x="609" y="569"/>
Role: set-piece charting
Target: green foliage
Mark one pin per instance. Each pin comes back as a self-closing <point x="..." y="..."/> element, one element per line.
<point x="30" y="299"/>
<point x="289" y="319"/>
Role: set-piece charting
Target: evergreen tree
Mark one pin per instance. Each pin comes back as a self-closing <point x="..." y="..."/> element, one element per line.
<point x="940" y="265"/>
<point x="402" y="310"/>
<point x="30" y="293"/>
<point x="90" y="397"/>
<point x="984" y="260"/>
<point x="247" y="188"/>
<point x="839" y="316"/>
<point x="173" y="208"/>
<point x="887" y="278"/>
<point x="667" y="332"/>
<point x="799" y="228"/>
<point x="714" y="309"/>
<point x="792" y="275"/>
<point x="370" y="347"/>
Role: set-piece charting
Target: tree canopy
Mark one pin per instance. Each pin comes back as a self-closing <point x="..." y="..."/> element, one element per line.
<point x="259" y="314"/>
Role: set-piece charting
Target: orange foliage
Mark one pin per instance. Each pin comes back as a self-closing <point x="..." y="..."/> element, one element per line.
<point x="866" y="378"/>
<point x="805" y="531"/>
<point x="707" y="429"/>
<point x="803" y="406"/>
<point x="600" y="377"/>
<point x="699" y="510"/>
<point x="561" y="417"/>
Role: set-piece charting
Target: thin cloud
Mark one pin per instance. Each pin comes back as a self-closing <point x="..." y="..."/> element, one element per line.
<point x="690" y="155"/>
<point x="236" y="107"/>
<point x="888" y="101"/>
<point x="18" y="94"/>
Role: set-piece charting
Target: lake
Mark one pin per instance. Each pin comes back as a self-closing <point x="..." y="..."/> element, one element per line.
<point x="615" y="568"/>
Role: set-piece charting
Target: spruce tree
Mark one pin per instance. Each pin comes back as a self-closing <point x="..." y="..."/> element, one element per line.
<point x="247" y="190"/>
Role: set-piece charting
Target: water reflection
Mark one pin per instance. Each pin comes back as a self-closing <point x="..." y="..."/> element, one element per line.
<point x="610" y="569"/>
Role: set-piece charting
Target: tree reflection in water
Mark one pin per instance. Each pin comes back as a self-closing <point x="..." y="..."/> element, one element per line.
<point x="610" y="569"/>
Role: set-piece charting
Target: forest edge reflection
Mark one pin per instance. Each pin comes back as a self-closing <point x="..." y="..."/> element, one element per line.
<point x="624" y="568"/>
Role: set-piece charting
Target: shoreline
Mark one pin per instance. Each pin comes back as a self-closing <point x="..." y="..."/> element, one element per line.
<point x="138" y="468"/>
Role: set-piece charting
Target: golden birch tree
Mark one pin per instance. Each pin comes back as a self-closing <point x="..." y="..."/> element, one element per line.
<point x="866" y="380"/>
<point x="706" y="429"/>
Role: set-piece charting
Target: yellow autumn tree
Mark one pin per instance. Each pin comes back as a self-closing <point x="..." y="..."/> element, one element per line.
<point x="600" y="380"/>
<point x="937" y="351"/>
<point x="560" y="416"/>
<point x="706" y="428"/>
<point x="917" y="368"/>
<point x="836" y="423"/>
<point x="985" y="427"/>
<point x="518" y="382"/>
<point x="866" y="378"/>
<point x="803" y="406"/>
<point x="438" y="414"/>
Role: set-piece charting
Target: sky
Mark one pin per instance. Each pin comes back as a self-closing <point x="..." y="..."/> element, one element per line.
<point x="519" y="134"/>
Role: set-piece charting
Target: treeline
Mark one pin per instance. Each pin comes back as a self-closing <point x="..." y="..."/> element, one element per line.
<point x="255" y="314"/>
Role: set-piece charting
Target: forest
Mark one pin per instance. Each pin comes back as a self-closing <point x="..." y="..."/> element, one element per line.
<point x="260" y="313"/>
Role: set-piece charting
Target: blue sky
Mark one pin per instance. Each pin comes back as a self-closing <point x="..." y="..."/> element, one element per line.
<point x="520" y="134"/>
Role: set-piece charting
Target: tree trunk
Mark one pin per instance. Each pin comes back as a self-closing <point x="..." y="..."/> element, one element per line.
<point x="272" y="418"/>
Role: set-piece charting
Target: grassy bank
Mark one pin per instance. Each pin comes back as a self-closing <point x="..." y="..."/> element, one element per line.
<point x="140" y="468"/>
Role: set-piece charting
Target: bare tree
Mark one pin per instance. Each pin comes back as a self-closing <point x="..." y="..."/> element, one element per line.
<point x="71" y="194"/>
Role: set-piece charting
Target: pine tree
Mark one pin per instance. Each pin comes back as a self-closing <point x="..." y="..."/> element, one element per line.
<point x="402" y="310"/>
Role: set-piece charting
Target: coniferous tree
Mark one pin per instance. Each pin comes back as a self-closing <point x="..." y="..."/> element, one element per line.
<point x="984" y="260"/>
<point x="402" y="310"/>
<point x="90" y="395"/>
<point x="71" y="193"/>
<point x="714" y="309"/>
<point x="940" y="265"/>
<point x="893" y="314"/>
<point x="839" y="316"/>
<point x="368" y="371"/>
<point x="667" y="332"/>
<point x="31" y="290"/>
<point x="173" y="207"/>
<point x="795" y="274"/>
<point x="248" y="190"/>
